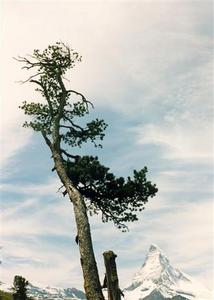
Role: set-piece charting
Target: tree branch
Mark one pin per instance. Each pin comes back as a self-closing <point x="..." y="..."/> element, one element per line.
<point x="30" y="78"/>
<point x="26" y="61"/>
<point x="82" y="96"/>
<point x="73" y="124"/>
<point x="48" y="142"/>
<point x="62" y="102"/>
<point x="69" y="155"/>
<point x="115" y="219"/>
<point x="46" y="95"/>
<point x="59" y="79"/>
<point x="60" y="189"/>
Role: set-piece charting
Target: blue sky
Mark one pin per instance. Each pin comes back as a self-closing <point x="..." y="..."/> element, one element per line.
<point x="147" y="66"/>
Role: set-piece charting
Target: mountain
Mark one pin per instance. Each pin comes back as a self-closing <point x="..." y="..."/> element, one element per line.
<point x="156" y="295"/>
<point x="37" y="291"/>
<point x="157" y="279"/>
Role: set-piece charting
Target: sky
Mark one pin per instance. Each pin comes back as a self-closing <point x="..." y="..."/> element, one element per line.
<point x="147" y="67"/>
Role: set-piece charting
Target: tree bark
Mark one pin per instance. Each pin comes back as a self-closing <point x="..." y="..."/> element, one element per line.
<point x="111" y="278"/>
<point x="89" y="267"/>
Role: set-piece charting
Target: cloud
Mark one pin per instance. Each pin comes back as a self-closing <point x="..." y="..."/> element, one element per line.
<point x="37" y="215"/>
<point x="42" y="231"/>
<point x="41" y="263"/>
<point x="49" y="187"/>
<point x="13" y="139"/>
<point x="172" y="229"/>
<point x="121" y="67"/>
<point x="38" y="238"/>
<point x="184" y="140"/>
<point x="142" y="75"/>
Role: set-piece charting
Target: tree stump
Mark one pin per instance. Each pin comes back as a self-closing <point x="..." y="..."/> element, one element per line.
<point x="111" y="279"/>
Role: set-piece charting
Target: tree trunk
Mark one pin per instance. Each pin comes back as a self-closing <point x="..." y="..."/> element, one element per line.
<point x="89" y="267"/>
<point x="111" y="278"/>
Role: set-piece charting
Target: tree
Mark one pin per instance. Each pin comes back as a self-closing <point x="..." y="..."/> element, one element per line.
<point x="89" y="184"/>
<point x="20" y="288"/>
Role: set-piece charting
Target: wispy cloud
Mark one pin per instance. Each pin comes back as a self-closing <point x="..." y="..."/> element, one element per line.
<point x="183" y="141"/>
<point x="49" y="187"/>
<point x="38" y="240"/>
<point x="45" y="230"/>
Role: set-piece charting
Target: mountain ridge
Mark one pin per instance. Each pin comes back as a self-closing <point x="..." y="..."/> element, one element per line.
<point x="37" y="291"/>
<point x="158" y="279"/>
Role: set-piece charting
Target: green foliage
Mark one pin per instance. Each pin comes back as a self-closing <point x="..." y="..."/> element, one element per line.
<point x="61" y="105"/>
<point x="8" y="296"/>
<point x="5" y="295"/>
<point x="56" y="60"/>
<point x="92" y="131"/>
<point x="58" y="119"/>
<point x="118" y="199"/>
<point x="20" y="288"/>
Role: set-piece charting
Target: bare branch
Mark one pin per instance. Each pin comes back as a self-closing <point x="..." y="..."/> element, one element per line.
<point x="65" y="126"/>
<point x="73" y="124"/>
<point x="20" y="59"/>
<point x="28" y="63"/>
<point x="46" y="95"/>
<point x="60" y="188"/>
<point x="48" y="142"/>
<point x="69" y="155"/>
<point x="110" y="215"/>
<point x="30" y="78"/>
<point x="37" y="82"/>
<point x="63" y="77"/>
<point x="82" y="96"/>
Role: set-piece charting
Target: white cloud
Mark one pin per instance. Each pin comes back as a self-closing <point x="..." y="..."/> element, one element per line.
<point x="183" y="232"/>
<point x="181" y="141"/>
<point x="40" y="263"/>
<point x="119" y="44"/>
<point x="13" y="138"/>
<point x="49" y="187"/>
<point x="37" y="234"/>
<point x="35" y="215"/>
<point x="162" y="220"/>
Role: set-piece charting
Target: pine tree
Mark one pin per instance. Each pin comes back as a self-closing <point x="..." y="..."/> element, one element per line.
<point x="20" y="288"/>
<point x="90" y="186"/>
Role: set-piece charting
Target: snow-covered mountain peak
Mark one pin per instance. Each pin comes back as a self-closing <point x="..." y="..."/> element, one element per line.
<point x="154" y="249"/>
<point x="156" y="268"/>
<point x="156" y="255"/>
<point x="157" y="274"/>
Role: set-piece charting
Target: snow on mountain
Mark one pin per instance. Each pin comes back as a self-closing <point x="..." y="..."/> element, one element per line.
<point x="37" y="291"/>
<point x="158" y="279"/>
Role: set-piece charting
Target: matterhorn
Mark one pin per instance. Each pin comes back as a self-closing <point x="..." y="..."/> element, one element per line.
<point x="157" y="279"/>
